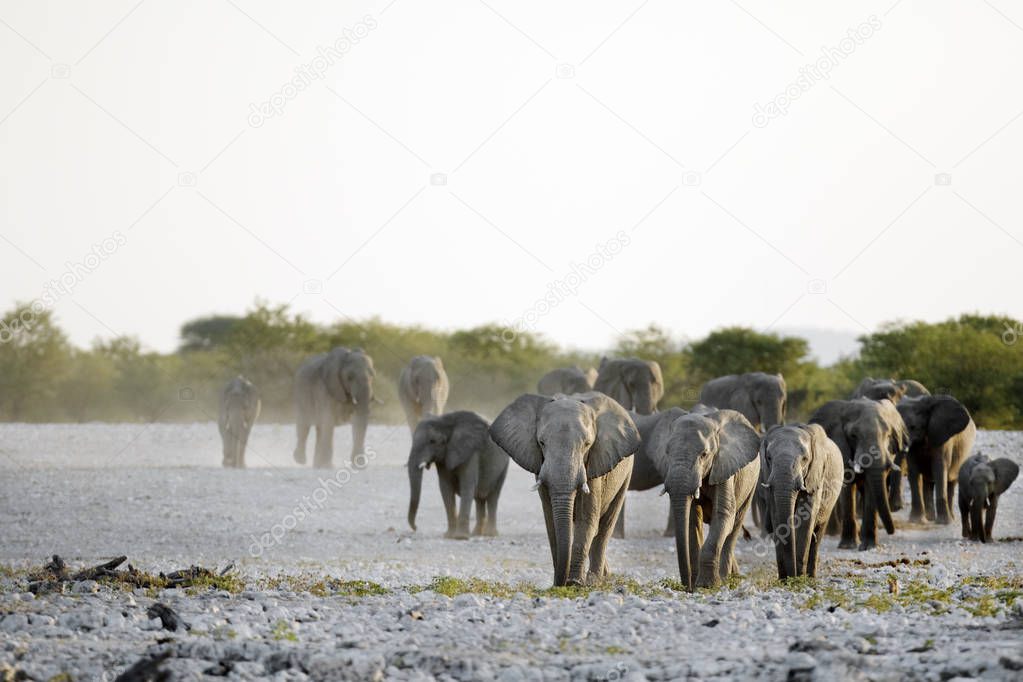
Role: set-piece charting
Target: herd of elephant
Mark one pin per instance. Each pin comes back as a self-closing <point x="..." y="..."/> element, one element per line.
<point x="590" y="436"/>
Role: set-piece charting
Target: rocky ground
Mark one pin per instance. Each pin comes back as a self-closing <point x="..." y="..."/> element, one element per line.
<point x="329" y="583"/>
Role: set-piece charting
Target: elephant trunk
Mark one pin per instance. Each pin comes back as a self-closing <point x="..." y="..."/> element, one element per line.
<point x="681" y="506"/>
<point x="415" y="480"/>
<point x="784" y="532"/>
<point x="360" y="421"/>
<point x="977" y="521"/>
<point x="643" y="401"/>
<point x="233" y="437"/>
<point x="562" y="508"/>
<point x="772" y="415"/>
<point x="876" y="487"/>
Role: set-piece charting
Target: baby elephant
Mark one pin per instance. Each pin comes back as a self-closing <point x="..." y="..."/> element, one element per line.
<point x="469" y="465"/>
<point x="239" y="407"/>
<point x="800" y="477"/>
<point x="580" y="449"/>
<point x="981" y="481"/>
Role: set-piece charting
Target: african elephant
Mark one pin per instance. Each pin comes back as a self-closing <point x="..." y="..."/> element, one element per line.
<point x="580" y="449"/>
<point x="801" y="472"/>
<point x="868" y="433"/>
<point x="423" y="389"/>
<point x="941" y="434"/>
<point x="710" y="469"/>
<point x="981" y="481"/>
<point x="469" y="465"/>
<point x="567" y="380"/>
<point x="332" y="389"/>
<point x="894" y="390"/>
<point x="645" y="474"/>
<point x="239" y="408"/>
<point x="758" y="396"/>
<point x="635" y="384"/>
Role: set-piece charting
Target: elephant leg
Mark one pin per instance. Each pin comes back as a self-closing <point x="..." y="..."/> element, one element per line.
<point x="964" y="515"/>
<point x="928" y="496"/>
<point x="587" y="520"/>
<point x="324" y="457"/>
<point x="619" y="531"/>
<point x="847" y="504"/>
<point x="303" y="435"/>
<point x="669" y="529"/>
<point x="598" y="550"/>
<point x="466" y="491"/>
<point x="813" y="555"/>
<point x="940" y="476"/>
<point x="447" y="494"/>
<point x="779" y="558"/>
<point x="868" y="532"/>
<point x="916" y="493"/>
<point x="989" y="520"/>
<point x="950" y="494"/>
<point x="481" y="516"/>
<point x="710" y="553"/>
<point x="895" y="489"/>
<point x="803" y="532"/>
<point x="729" y="566"/>
<point x="490" y="529"/>
<point x="695" y="536"/>
<point x="834" y="524"/>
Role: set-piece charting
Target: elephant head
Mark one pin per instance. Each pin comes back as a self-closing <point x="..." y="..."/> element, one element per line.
<point x="865" y="431"/>
<point x="636" y="384"/>
<point x="566" y="380"/>
<point x="932" y="419"/>
<point x="793" y="460"/>
<point x="696" y="450"/>
<point x="428" y="383"/>
<point x="348" y="376"/>
<point x="879" y="389"/>
<point x="448" y="441"/>
<point x="565" y="441"/>
<point x="762" y="398"/>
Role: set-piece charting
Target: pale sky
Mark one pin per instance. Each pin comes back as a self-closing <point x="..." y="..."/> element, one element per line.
<point x="553" y="128"/>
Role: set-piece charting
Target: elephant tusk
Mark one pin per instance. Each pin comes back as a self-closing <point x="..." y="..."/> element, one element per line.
<point x="765" y="485"/>
<point x="664" y="490"/>
<point x="586" y="488"/>
<point x="423" y="465"/>
<point x="696" y="495"/>
<point x="857" y="468"/>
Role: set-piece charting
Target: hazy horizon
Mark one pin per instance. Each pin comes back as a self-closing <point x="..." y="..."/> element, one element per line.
<point x="456" y="164"/>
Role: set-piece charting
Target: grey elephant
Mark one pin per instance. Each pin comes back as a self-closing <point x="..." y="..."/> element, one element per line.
<point x="239" y="409"/>
<point x="801" y="472"/>
<point x="580" y="449"/>
<point x="636" y="384"/>
<point x="567" y="380"/>
<point x="423" y="389"/>
<point x="710" y="467"/>
<point x="981" y="482"/>
<point x="868" y="433"/>
<point x="469" y="465"/>
<point x="894" y="390"/>
<point x="330" y="389"/>
<point x="760" y="397"/>
<point x="941" y="435"/>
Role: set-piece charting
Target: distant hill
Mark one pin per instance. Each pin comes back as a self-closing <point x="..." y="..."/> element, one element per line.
<point x="826" y="345"/>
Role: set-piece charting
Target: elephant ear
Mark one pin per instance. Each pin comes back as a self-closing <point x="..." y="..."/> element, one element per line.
<point x="514" y="431"/>
<point x="655" y="440"/>
<point x="468" y="437"/>
<point x="820" y="448"/>
<point x="739" y="444"/>
<point x="829" y="417"/>
<point x="658" y="380"/>
<point x="617" y="435"/>
<point x="330" y="372"/>
<point x="948" y="417"/>
<point x="1006" y="472"/>
<point x="892" y="417"/>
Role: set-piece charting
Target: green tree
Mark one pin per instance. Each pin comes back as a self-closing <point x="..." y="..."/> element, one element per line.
<point x="34" y="355"/>
<point x="207" y="333"/>
<point x="655" y="343"/>
<point x="736" y="350"/>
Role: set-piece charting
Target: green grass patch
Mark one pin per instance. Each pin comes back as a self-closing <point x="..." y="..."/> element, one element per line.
<point x="283" y="632"/>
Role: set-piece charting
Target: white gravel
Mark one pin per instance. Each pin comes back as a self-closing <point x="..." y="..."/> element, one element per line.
<point x="157" y="494"/>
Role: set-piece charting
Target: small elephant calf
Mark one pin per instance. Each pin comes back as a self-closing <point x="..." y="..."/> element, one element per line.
<point x="239" y="408"/>
<point x="469" y="465"/>
<point x="981" y="481"/>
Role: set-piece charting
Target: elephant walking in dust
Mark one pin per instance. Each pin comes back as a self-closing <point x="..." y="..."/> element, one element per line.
<point x="423" y="389"/>
<point x="239" y="408"/>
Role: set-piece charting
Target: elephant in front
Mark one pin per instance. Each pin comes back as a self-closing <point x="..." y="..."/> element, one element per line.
<point x="423" y="389"/>
<point x="636" y="384"/>
<point x="941" y="435"/>
<point x="710" y="467"/>
<point x="239" y="408"/>
<point x="469" y="465"/>
<point x="580" y="449"/>
<point x="330" y="389"/>
<point x="868" y="433"/>
<point x="567" y="380"/>
<point x="759" y="397"/>
<point x="801" y="472"/>
<point x="981" y="482"/>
